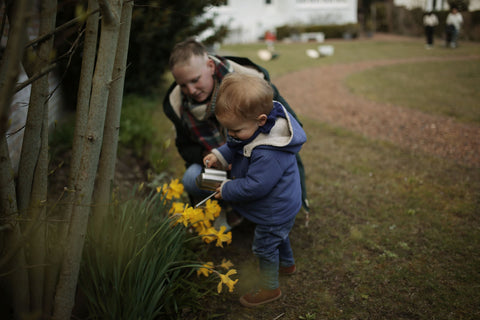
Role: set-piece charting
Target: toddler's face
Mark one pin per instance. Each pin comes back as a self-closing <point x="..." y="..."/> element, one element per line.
<point x="237" y="127"/>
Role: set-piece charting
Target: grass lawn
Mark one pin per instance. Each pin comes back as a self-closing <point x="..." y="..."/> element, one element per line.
<point x="445" y="87"/>
<point x="394" y="234"/>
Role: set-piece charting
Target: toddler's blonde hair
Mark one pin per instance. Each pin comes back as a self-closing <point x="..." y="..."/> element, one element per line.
<point x="244" y="95"/>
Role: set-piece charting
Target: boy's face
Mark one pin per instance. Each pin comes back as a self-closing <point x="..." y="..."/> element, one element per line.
<point x="195" y="77"/>
<point x="239" y="128"/>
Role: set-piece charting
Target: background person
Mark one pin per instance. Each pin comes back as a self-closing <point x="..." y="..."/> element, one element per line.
<point x="430" y="21"/>
<point x="453" y="24"/>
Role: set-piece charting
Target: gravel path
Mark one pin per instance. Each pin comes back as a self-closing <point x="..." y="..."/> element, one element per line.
<point x="323" y="96"/>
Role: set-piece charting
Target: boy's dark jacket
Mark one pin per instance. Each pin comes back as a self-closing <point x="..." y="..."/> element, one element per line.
<point x="265" y="186"/>
<point x="192" y="151"/>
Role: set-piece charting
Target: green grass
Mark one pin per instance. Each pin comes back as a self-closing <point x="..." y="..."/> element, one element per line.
<point x="292" y="57"/>
<point x="448" y="88"/>
<point x="396" y="233"/>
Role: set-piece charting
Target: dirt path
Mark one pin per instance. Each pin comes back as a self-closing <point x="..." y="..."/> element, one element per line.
<point x="324" y="97"/>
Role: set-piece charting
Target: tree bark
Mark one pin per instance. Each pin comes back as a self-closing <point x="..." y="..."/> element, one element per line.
<point x="33" y="167"/>
<point x="83" y="101"/>
<point x="10" y="63"/>
<point x="13" y="262"/>
<point x="84" y="88"/>
<point x="106" y="171"/>
<point x="65" y="295"/>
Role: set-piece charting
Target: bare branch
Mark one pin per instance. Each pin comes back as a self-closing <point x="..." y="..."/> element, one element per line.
<point x="64" y="26"/>
<point x="35" y="77"/>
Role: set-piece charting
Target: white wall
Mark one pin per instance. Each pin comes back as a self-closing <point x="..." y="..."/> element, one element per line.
<point x="249" y="19"/>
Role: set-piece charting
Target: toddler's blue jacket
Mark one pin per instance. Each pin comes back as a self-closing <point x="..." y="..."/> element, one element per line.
<point x="265" y="182"/>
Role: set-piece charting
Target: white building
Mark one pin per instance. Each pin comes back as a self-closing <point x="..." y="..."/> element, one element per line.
<point x="249" y="19"/>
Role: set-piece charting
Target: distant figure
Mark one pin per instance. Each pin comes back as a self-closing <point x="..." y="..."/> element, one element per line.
<point x="269" y="53"/>
<point x="454" y="22"/>
<point x="270" y="39"/>
<point x="430" y="21"/>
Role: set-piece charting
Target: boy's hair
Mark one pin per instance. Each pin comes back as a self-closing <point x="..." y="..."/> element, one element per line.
<point x="183" y="51"/>
<point x="244" y="95"/>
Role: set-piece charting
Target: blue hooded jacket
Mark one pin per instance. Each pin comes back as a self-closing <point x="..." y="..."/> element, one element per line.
<point x="265" y="182"/>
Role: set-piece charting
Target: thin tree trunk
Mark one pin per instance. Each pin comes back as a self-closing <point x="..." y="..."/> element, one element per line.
<point x="84" y="89"/>
<point x="106" y="170"/>
<point x="10" y="63"/>
<point x="83" y="101"/>
<point x="33" y="169"/>
<point x="37" y="215"/>
<point x="13" y="263"/>
<point x="65" y="295"/>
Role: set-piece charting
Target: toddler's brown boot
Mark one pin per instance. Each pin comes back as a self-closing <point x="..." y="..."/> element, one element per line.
<point x="287" y="271"/>
<point x="259" y="297"/>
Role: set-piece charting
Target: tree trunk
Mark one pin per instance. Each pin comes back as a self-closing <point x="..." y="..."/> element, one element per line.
<point x="84" y="88"/>
<point x="33" y="167"/>
<point x="10" y="63"/>
<point x="106" y="170"/>
<point x="13" y="262"/>
<point x="83" y="101"/>
<point x="65" y="295"/>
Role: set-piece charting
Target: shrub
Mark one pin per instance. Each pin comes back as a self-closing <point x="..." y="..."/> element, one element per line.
<point x="136" y="126"/>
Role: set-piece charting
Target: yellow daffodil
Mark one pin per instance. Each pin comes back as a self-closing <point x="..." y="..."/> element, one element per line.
<point x="226" y="264"/>
<point x="177" y="207"/>
<point x="225" y="279"/>
<point x="205" y="269"/>
<point x="175" y="189"/>
<point x="212" y="209"/>
<point x="181" y="219"/>
<point x="201" y="227"/>
<point x="209" y="235"/>
<point x="196" y="216"/>
<point x="186" y="216"/>
<point x="223" y="237"/>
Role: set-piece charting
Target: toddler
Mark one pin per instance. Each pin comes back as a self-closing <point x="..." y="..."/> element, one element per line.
<point x="263" y="139"/>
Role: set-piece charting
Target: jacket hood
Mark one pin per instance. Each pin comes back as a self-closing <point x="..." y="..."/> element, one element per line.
<point x="286" y="133"/>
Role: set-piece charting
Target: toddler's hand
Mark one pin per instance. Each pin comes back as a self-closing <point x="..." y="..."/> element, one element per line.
<point x="219" y="193"/>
